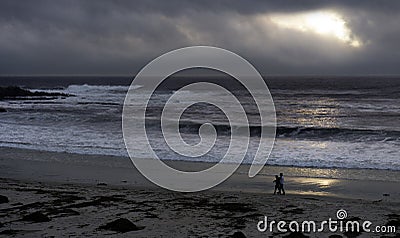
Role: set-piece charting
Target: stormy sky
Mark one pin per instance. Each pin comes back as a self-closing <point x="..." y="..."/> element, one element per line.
<point x="277" y="37"/>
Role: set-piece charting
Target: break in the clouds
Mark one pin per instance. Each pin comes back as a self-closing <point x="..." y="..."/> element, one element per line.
<point x="323" y="23"/>
<point x="278" y="37"/>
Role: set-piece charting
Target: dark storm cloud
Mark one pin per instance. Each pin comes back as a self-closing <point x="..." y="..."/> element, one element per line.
<point x="120" y="37"/>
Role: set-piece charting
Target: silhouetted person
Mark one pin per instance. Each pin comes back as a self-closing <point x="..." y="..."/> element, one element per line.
<point x="277" y="184"/>
<point x="281" y="182"/>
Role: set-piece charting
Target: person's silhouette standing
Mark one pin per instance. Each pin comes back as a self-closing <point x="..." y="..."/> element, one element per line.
<point x="281" y="182"/>
<point x="277" y="184"/>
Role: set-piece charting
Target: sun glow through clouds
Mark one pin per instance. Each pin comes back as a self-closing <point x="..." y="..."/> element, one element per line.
<point x="325" y="23"/>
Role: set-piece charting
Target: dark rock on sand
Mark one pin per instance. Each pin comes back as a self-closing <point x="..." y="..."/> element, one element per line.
<point x="394" y="220"/>
<point x="13" y="92"/>
<point x="3" y="199"/>
<point x="121" y="225"/>
<point x="395" y="223"/>
<point x="233" y="207"/>
<point x="36" y="217"/>
<point x="3" y="109"/>
<point x="238" y="234"/>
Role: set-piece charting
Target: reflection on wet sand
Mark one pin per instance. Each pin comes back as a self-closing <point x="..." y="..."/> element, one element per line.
<point x="313" y="186"/>
<point x="348" y="188"/>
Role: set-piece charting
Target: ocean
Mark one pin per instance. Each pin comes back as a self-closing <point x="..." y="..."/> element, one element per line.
<point x="322" y="121"/>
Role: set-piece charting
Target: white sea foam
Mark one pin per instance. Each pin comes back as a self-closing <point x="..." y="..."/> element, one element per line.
<point x="345" y="132"/>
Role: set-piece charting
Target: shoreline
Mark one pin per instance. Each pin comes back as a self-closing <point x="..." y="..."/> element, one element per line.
<point x="209" y="164"/>
<point x="204" y="164"/>
<point x="43" y="166"/>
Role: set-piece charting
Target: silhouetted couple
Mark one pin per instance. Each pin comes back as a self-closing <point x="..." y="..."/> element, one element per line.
<point x="279" y="181"/>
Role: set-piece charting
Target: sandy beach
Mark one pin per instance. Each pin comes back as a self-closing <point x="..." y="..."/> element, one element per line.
<point x="50" y="194"/>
